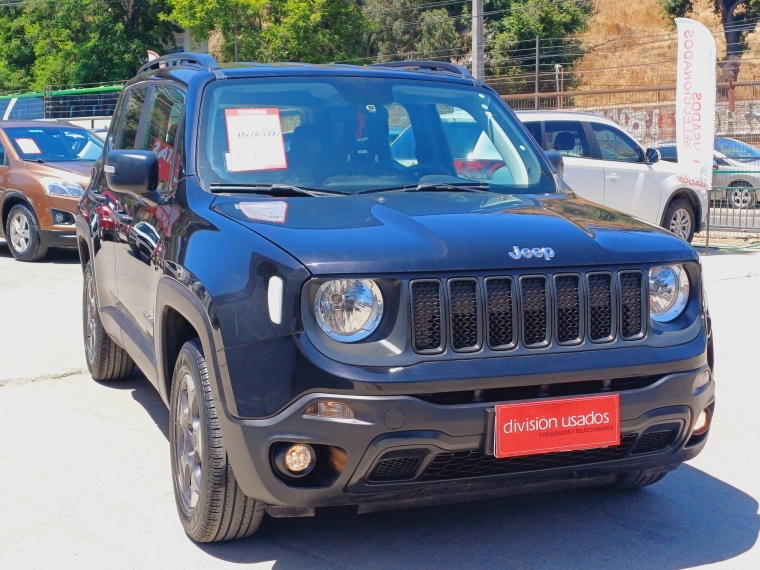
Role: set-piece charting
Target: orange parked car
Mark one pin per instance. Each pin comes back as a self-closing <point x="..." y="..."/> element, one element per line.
<point x="44" y="171"/>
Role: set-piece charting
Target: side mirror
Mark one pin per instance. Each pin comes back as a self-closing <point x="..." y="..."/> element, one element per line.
<point x="652" y="155"/>
<point x="132" y="171"/>
<point x="556" y="159"/>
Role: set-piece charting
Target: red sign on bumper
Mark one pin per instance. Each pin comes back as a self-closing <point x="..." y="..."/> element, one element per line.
<point x="557" y="425"/>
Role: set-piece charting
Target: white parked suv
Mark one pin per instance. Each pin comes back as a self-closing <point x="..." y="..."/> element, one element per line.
<point x="606" y="165"/>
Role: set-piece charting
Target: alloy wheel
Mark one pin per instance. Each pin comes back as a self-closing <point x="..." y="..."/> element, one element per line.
<point x="680" y="223"/>
<point x="20" y="232"/>
<point x="187" y="443"/>
<point x="90" y="320"/>
<point x="741" y="198"/>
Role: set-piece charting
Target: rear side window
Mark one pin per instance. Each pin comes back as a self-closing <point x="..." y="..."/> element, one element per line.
<point x="615" y="145"/>
<point x="133" y="106"/>
<point x="567" y="137"/>
<point x="3" y="160"/>
<point x="160" y="133"/>
<point x="535" y="130"/>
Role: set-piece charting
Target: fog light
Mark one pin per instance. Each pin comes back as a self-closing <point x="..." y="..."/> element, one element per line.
<point x="329" y="410"/>
<point x="294" y="460"/>
<point x="703" y="423"/>
<point x="58" y="218"/>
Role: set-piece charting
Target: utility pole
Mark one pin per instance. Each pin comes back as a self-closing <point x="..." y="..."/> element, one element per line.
<point x="478" y="69"/>
<point x="535" y="103"/>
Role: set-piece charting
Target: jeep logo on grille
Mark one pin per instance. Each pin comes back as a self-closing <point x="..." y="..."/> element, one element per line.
<point x="526" y="252"/>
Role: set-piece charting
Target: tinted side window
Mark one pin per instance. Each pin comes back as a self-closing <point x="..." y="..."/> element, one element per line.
<point x="160" y="134"/>
<point x="567" y="137"/>
<point x="133" y="106"/>
<point x="616" y="145"/>
<point x="3" y="161"/>
<point x="668" y="153"/>
<point x="535" y="130"/>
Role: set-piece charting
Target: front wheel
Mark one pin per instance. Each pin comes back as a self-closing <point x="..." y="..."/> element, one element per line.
<point x="636" y="479"/>
<point x="680" y="219"/>
<point x="211" y="505"/>
<point x="23" y="233"/>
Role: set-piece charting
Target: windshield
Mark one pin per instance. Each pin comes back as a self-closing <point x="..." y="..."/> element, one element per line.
<point x="353" y="134"/>
<point x="55" y="144"/>
<point x="737" y="150"/>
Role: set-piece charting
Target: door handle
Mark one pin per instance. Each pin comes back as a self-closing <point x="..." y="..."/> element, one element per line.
<point x="97" y="197"/>
<point x="612" y="176"/>
<point x="122" y="218"/>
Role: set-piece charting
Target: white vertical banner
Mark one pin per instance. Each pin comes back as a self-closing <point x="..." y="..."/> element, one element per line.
<point x="695" y="103"/>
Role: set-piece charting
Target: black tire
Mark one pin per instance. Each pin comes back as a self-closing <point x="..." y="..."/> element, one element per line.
<point x="675" y="214"/>
<point x="106" y="360"/>
<point x="27" y="249"/>
<point x="636" y="479"/>
<point x="217" y="509"/>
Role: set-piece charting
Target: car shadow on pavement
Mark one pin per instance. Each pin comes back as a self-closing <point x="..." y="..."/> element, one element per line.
<point x="57" y="255"/>
<point x="688" y="519"/>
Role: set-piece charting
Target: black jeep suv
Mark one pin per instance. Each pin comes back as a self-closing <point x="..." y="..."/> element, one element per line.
<point x="333" y="320"/>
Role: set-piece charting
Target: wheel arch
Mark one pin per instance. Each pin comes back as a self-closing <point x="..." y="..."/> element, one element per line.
<point x="689" y="195"/>
<point x="13" y="199"/>
<point x="181" y="317"/>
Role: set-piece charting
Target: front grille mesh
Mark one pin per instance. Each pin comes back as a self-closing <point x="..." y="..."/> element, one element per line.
<point x="462" y="464"/>
<point x="568" y="308"/>
<point x="395" y="468"/>
<point x="499" y="308"/>
<point x="655" y="440"/>
<point x="630" y="304"/>
<point x="600" y="306"/>
<point x="426" y="311"/>
<point x="464" y="314"/>
<point x="532" y="310"/>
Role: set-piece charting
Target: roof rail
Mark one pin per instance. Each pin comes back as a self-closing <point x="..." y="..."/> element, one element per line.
<point x="182" y="59"/>
<point x="431" y="66"/>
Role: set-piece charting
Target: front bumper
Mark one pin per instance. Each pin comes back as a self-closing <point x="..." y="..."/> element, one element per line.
<point x="59" y="238"/>
<point x="410" y="426"/>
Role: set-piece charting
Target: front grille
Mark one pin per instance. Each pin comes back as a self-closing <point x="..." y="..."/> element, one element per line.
<point x="463" y="464"/>
<point x="630" y="304"/>
<point x="568" y="308"/>
<point x="499" y="308"/>
<point x="426" y="315"/>
<point x="465" y="317"/>
<point x="395" y="468"/>
<point x="657" y="438"/>
<point x="533" y="310"/>
<point x="600" y="306"/>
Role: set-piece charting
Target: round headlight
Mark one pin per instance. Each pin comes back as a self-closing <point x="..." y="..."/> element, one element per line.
<point x="668" y="292"/>
<point x="348" y="310"/>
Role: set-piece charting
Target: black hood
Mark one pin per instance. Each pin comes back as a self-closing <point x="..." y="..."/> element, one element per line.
<point x="424" y="231"/>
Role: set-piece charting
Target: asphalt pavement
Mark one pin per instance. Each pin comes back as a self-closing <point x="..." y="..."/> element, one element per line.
<point x="86" y="477"/>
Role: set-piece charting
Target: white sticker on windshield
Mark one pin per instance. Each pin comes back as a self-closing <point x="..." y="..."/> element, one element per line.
<point x="265" y="211"/>
<point x="28" y="146"/>
<point x="255" y="140"/>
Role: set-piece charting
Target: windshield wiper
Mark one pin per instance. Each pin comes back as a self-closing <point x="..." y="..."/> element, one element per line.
<point x="272" y="190"/>
<point x="37" y="160"/>
<point x="432" y="187"/>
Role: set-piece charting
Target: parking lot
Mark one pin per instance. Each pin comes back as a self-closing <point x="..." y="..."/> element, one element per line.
<point x="86" y="478"/>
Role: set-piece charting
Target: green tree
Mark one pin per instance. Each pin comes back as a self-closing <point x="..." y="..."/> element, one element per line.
<point x="406" y="28"/>
<point x="79" y="41"/>
<point x="738" y="18"/>
<point x="238" y="23"/>
<point x="513" y="29"/>
<point x="314" y="31"/>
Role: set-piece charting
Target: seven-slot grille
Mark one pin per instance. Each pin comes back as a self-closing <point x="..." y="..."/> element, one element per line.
<point x="535" y="310"/>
